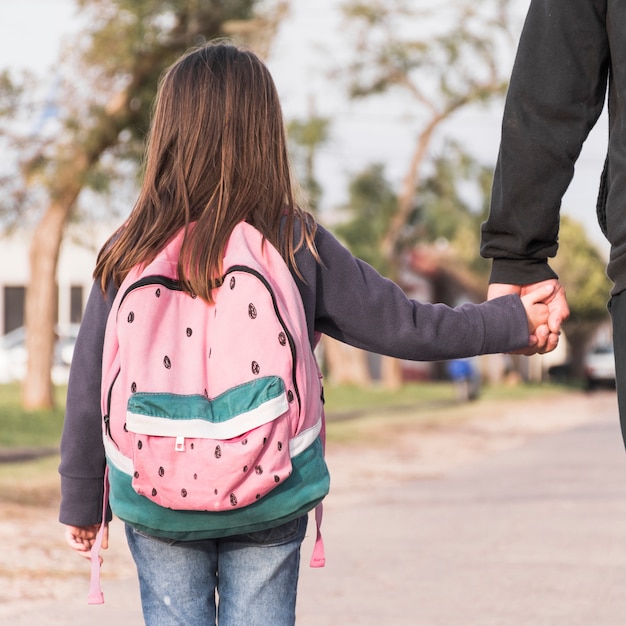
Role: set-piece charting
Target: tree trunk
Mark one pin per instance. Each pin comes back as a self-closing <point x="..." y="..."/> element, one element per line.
<point x="346" y="364"/>
<point x="41" y="302"/>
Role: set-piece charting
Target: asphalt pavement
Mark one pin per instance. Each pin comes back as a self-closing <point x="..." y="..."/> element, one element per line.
<point x="532" y="536"/>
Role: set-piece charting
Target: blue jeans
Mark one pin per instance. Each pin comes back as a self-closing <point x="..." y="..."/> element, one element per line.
<point x="255" y="577"/>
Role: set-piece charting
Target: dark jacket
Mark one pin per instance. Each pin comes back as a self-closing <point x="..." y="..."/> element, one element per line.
<point x="569" y="52"/>
<point x="343" y="297"/>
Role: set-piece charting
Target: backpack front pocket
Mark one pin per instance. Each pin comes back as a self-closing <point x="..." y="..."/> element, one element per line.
<point x="190" y="452"/>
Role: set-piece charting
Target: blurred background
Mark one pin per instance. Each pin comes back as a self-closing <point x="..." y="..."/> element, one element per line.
<point x="393" y="109"/>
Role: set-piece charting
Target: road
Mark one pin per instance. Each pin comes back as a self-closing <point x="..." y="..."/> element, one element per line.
<point x="531" y="535"/>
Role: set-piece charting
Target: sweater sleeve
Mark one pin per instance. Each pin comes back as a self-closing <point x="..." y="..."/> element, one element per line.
<point x="555" y="97"/>
<point x="347" y="299"/>
<point x="82" y="451"/>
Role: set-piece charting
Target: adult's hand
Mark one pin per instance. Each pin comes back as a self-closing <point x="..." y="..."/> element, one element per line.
<point x="546" y="338"/>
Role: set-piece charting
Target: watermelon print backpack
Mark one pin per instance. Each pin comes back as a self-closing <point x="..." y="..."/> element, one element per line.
<point x="213" y="417"/>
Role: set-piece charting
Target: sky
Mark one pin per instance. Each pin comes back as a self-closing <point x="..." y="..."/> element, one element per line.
<point x="32" y="33"/>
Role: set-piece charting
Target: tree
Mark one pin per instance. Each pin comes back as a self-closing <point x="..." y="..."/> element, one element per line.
<point x="440" y="238"/>
<point x="371" y="203"/>
<point x="581" y="270"/>
<point x="441" y="65"/>
<point x="106" y="103"/>
<point x="306" y="136"/>
<point x="444" y="59"/>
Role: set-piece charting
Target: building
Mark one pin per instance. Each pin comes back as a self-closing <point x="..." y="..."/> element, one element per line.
<point x="74" y="274"/>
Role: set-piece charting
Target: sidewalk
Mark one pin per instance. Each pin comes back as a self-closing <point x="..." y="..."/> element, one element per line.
<point x="534" y="535"/>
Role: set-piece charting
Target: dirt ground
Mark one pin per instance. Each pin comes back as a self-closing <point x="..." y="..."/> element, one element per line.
<point x="36" y="565"/>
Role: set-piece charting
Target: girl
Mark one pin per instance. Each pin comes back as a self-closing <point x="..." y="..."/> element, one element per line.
<point x="216" y="156"/>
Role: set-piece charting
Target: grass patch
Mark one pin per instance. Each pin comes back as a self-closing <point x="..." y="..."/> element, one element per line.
<point x="357" y="415"/>
<point x="25" y="429"/>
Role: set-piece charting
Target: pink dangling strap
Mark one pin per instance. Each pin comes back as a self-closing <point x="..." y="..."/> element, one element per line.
<point x="319" y="557"/>
<point x="95" y="591"/>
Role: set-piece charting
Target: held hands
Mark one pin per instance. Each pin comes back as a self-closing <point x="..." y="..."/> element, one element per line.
<point x="82" y="538"/>
<point x="546" y="307"/>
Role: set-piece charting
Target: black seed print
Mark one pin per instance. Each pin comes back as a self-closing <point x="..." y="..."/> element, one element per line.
<point x="161" y="471"/>
<point x="252" y="311"/>
<point x="258" y="469"/>
<point x="244" y="442"/>
<point x="206" y="393"/>
<point x="136" y="474"/>
<point x="280" y="446"/>
<point x="131" y="317"/>
<point x="276" y="479"/>
<point x="210" y="353"/>
<point x="195" y="476"/>
<point x="154" y="492"/>
<point x="139" y="445"/>
<point x="133" y="387"/>
<point x="193" y="295"/>
<point x="233" y="499"/>
<point x="232" y="282"/>
<point x="157" y="293"/>
<point x="245" y="469"/>
<point x="167" y="363"/>
<point x="215" y="492"/>
<point x="258" y="495"/>
<point x="256" y="368"/>
<point x="192" y="445"/>
<point x="282" y="338"/>
<point x="183" y="493"/>
<point x="264" y="440"/>
<point x="218" y="452"/>
<point x="290" y="396"/>
<point x="189" y="332"/>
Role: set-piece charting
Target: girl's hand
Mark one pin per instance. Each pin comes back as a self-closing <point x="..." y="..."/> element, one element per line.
<point x="82" y="538"/>
<point x="537" y="309"/>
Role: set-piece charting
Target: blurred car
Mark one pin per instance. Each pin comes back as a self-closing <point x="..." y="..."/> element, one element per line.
<point x="13" y="354"/>
<point x="600" y="367"/>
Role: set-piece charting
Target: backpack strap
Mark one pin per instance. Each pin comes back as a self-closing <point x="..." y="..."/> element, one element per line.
<point x="318" y="559"/>
<point x="95" y="591"/>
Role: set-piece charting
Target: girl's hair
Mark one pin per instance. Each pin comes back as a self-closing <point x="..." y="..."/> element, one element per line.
<point x="216" y="155"/>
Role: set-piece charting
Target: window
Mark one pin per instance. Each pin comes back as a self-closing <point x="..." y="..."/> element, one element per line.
<point x="76" y="304"/>
<point x="14" y="302"/>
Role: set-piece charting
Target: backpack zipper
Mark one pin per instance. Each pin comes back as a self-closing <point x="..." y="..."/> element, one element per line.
<point x="292" y="343"/>
<point x="175" y="285"/>
<point x="106" y="418"/>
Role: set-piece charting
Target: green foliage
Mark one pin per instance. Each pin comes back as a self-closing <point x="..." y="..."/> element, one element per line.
<point x="306" y="136"/>
<point x="371" y="204"/>
<point x="450" y="205"/>
<point x="582" y="271"/>
<point x="452" y="202"/>
<point x="25" y="429"/>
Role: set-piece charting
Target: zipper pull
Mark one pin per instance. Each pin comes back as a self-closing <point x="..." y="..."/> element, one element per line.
<point x="107" y="425"/>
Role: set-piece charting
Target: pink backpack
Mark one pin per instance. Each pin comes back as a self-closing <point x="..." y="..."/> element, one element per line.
<point x="213" y="414"/>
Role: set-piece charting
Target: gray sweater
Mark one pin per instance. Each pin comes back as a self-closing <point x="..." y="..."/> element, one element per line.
<point x="343" y="297"/>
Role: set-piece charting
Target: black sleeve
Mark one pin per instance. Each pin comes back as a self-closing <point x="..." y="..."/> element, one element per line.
<point x="555" y="97"/>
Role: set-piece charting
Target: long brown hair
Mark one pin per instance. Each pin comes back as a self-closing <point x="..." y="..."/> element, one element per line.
<point x="216" y="155"/>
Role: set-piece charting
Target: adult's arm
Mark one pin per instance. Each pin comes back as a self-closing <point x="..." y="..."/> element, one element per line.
<point x="555" y="96"/>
